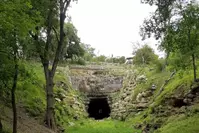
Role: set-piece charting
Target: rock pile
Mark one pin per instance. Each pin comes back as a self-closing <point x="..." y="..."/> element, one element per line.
<point x="122" y="101"/>
<point x="124" y="104"/>
<point x="69" y="100"/>
<point x="143" y="99"/>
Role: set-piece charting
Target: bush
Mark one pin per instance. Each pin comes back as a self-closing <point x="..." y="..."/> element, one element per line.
<point x="81" y="61"/>
<point x="160" y="64"/>
<point x="35" y="107"/>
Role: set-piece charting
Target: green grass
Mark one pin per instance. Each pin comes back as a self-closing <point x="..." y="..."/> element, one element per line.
<point x="177" y="85"/>
<point x="153" y="77"/>
<point x="6" y="129"/>
<point x="183" y="125"/>
<point x="180" y="84"/>
<point x="31" y="92"/>
<point x="30" y="88"/>
<point x="105" y="126"/>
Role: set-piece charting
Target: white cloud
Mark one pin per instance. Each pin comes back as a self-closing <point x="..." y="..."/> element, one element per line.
<point x="110" y="25"/>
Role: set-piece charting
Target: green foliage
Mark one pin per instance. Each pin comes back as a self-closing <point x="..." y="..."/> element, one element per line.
<point x="144" y="56"/>
<point x="16" y="15"/>
<point x="63" y="114"/>
<point x="6" y="129"/>
<point x="182" y="35"/>
<point x="100" y="58"/>
<point x="89" y="52"/>
<point x="72" y="42"/>
<point x="120" y="60"/>
<point x="177" y="61"/>
<point x="30" y="91"/>
<point x="16" y="19"/>
<point x="180" y="84"/>
<point x="180" y="40"/>
<point x="159" y="20"/>
<point x="160" y="65"/>
<point x="6" y="73"/>
<point x="154" y="77"/>
<point x="66" y="108"/>
<point x="78" y="61"/>
<point x="31" y="95"/>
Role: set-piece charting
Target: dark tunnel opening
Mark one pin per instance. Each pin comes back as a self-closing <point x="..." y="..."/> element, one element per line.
<point x="99" y="108"/>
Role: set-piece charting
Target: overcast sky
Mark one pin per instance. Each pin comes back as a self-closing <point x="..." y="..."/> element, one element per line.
<point x="110" y="25"/>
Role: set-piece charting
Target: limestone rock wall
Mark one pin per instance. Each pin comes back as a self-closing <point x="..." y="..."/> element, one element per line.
<point x="96" y="84"/>
<point x="119" y="90"/>
<point x="123" y="103"/>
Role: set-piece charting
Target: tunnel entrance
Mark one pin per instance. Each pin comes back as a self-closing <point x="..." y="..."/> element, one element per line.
<point x="98" y="108"/>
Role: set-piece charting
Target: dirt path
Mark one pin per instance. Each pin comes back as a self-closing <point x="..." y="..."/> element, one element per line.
<point x="26" y="124"/>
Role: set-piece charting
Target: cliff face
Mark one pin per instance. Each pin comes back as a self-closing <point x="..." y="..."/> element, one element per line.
<point x="97" y="83"/>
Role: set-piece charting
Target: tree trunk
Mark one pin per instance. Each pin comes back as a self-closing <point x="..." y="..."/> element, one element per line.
<point x="50" y="120"/>
<point x="194" y="67"/>
<point x="13" y="96"/>
<point x="49" y="73"/>
<point x="1" y="126"/>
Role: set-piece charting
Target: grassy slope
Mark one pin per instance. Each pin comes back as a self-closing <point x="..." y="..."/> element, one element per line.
<point x="179" y="85"/>
<point x="182" y="125"/>
<point x="31" y="94"/>
<point x="30" y="89"/>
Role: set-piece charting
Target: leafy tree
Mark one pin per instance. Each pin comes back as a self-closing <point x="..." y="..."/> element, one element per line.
<point x="160" y="65"/>
<point x="50" y="71"/>
<point x="144" y="55"/>
<point x="158" y="21"/>
<point x="15" y="21"/>
<point x="89" y="52"/>
<point x="177" y="23"/>
<point x="177" y="61"/>
<point x="100" y="58"/>
<point x="44" y="46"/>
<point x="73" y="46"/>
<point x="120" y="60"/>
<point x="74" y="50"/>
<point x="40" y="20"/>
<point x="185" y="34"/>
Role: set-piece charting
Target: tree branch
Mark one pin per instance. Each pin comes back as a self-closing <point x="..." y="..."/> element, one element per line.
<point x="36" y="38"/>
<point x="66" y="5"/>
<point x="32" y="35"/>
<point x="56" y="34"/>
<point x="65" y="2"/>
<point x="63" y="8"/>
<point x="48" y="41"/>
